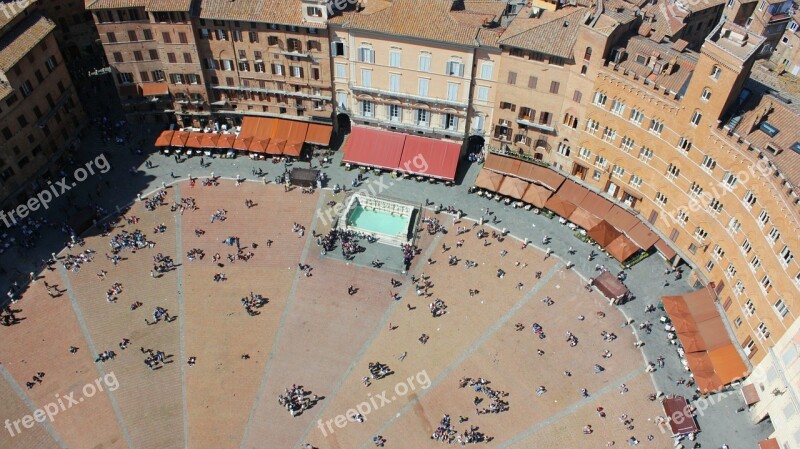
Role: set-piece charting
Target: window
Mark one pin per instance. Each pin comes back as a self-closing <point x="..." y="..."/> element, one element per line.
<point x="618" y="171"/>
<point x="781" y="309"/>
<point x="592" y="126"/>
<point x="253" y="36"/>
<point x="577" y="96"/>
<point x="708" y="163"/>
<point x="512" y="78"/>
<point x="367" y="108"/>
<point x="596" y="175"/>
<point x="755" y="262"/>
<point x="761" y="331"/>
<point x="695" y="189"/>
<point x="422" y="117"/>
<point x="153" y="53"/>
<point x="600" y="99"/>
<point x="394" y="58"/>
<point x="731" y="270"/>
<point x="227" y="65"/>
<point x="710" y="265"/>
<point x="673" y="171"/>
<point x="587" y="55"/>
<point x="423" y="87"/>
<point x="452" y="91"/>
<point x="695" y="120"/>
<point x="609" y="134"/>
<point x="627" y="144"/>
<point x="635" y="181"/>
<point x="425" y="62"/>
<point x="221" y="35"/>
<point x="137" y="55"/>
<point x="455" y="68"/>
<point x="617" y="107"/>
<point x="684" y="144"/>
<point x="486" y="71"/>
<point x="366" y="78"/>
<point x="706" y="95"/>
<point x="171" y="58"/>
<point x="681" y="217"/>
<point x="729" y="179"/>
<point x="749" y="199"/>
<point x="26" y="88"/>
<point x="715" y="205"/>
<point x="277" y="69"/>
<point x="766" y="283"/>
<point x="341" y="70"/>
<point x="554" y="87"/>
<point x="450" y="122"/>
<point x="337" y="48"/>
<point x="395" y="113"/>
<point x="600" y="161"/>
<point x="584" y="153"/>
<point x="786" y="256"/>
<point x="532" y="82"/>
<point x="366" y="54"/>
<point x="563" y="149"/>
<point x="717" y="253"/>
<point x="51" y="64"/>
<point x="661" y="198"/>
<point x="111" y="37"/>
<point x="296" y="71"/>
<point x="773" y="235"/>
<point x="187" y="58"/>
<point x="483" y="93"/>
<point x="738" y="321"/>
<point x="763" y="218"/>
<point x="656" y="127"/>
<point x="117" y="56"/>
<point x="182" y="38"/>
<point x="715" y="72"/>
<point x="478" y="122"/>
<point x="158" y="75"/>
<point x="637" y="116"/>
<point x="645" y="154"/>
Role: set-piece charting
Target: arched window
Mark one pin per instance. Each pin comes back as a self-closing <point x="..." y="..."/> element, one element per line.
<point x="583" y="69"/>
<point x="587" y="56"/>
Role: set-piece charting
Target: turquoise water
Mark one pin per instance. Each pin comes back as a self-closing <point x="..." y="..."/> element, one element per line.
<point x="379" y="222"/>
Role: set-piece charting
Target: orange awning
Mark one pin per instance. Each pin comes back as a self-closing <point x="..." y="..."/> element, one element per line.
<point x="642" y="236"/>
<point x="750" y="394"/>
<point x="622" y="248"/>
<point x="664" y="248"/>
<point x="572" y="192"/>
<point x="621" y="219"/>
<point x="319" y="134"/>
<point x="246" y="134"/>
<point x="226" y="141"/>
<point x="262" y="134"/>
<point x="584" y="218"/>
<point x="603" y="233"/>
<point x="279" y="136"/>
<point x="502" y="164"/>
<point x="513" y="187"/>
<point x="179" y="138"/>
<point x="560" y="206"/>
<point x="165" y="138"/>
<point x="296" y="138"/>
<point x="596" y="205"/>
<point x="154" y="89"/>
<point x="770" y="443"/>
<point x="209" y="140"/>
<point x="536" y="195"/>
<point x="194" y="140"/>
<point x="488" y="180"/>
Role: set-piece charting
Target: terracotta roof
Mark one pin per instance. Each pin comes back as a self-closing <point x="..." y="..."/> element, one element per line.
<point x="285" y="12"/>
<point x="663" y="22"/>
<point x="779" y="116"/>
<point x="113" y="4"/>
<point x="680" y="64"/>
<point x="22" y="39"/>
<point x="552" y="33"/>
<point x="169" y="5"/>
<point x="458" y="22"/>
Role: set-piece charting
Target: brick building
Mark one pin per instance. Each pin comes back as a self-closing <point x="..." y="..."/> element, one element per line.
<point x="40" y="114"/>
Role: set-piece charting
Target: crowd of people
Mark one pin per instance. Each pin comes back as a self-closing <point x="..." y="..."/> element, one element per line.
<point x="296" y="400"/>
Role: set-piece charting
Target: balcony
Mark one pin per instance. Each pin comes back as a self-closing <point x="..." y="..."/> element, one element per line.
<point x="288" y="93"/>
<point x="416" y="98"/>
<point x="532" y="124"/>
<point x="409" y="127"/>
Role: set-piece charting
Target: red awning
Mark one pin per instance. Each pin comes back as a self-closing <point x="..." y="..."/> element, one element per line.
<point x="750" y="394"/>
<point x="261" y="136"/>
<point x="514" y="187"/>
<point x="209" y="140"/>
<point x="622" y="248"/>
<point x="165" y="138"/>
<point x="536" y="195"/>
<point x="489" y="180"/>
<point x="679" y="415"/>
<point x="642" y="236"/>
<point x="572" y="192"/>
<point x="430" y="157"/>
<point x="319" y="134"/>
<point x="194" y="140"/>
<point x="154" y="89"/>
<point x="770" y="443"/>
<point x="664" y="248"/>
<point x="279" y="136"/>
<point x="560" y="206"/>
<point x="375" y="148"/>
<point x="179" y="138"/>
<point x="296" y="138"/>
<point x="621" y="219"/>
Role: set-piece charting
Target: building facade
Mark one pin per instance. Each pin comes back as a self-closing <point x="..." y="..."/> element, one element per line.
<point x="426" y="68"/>
<point x="200" y="61"/>
<point x="40" y="114"/>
